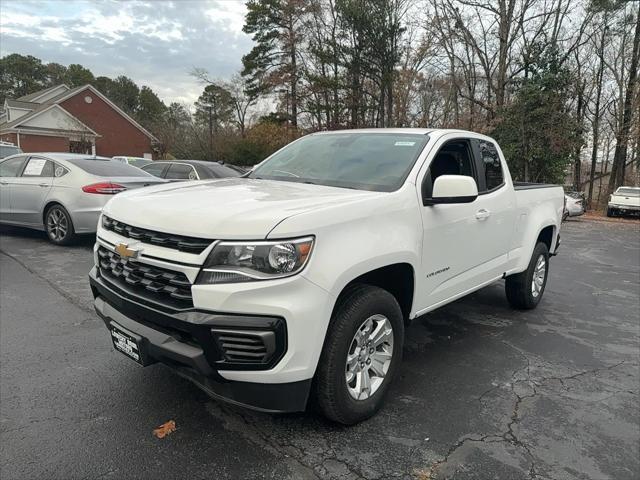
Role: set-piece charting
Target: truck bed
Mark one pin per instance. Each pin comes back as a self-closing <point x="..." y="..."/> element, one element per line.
<point x="530" y="185"/>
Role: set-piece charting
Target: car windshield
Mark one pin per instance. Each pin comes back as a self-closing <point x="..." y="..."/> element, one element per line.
<point x="629" y="192"/>
<point x="139" y="162"/>
<point x="364" y="161"/>
<point x="6" y="150"/>
<point x="107" y="168"/>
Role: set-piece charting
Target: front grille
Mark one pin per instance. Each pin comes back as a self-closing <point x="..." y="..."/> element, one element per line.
<point x="240" y="346"/>
<point x="177" y="242"/>
<point x="160" y="285"/>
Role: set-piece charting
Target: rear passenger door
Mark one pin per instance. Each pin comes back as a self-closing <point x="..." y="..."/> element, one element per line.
<point x="31" y="190"/>
<point x="496" y="204"/>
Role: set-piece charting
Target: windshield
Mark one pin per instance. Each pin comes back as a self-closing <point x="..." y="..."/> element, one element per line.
<point x="6" y="150"/>
<point x="364" y="161"/>
<point x="107" y="168"/>
<point x="629" y="192"/>
<point x="139" y="162"/>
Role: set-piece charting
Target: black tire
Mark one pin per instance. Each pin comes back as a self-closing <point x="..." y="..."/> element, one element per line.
<point x="59" y="226"/>
<point x="609" y="212"/>
<point x="355" y="306"/>
<point x="519" y="287"/>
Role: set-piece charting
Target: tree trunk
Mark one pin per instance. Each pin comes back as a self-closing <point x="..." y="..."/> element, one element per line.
<point x="577" y="172"/>
<point x="596" y="114"/>
<point x="622" y="137"/>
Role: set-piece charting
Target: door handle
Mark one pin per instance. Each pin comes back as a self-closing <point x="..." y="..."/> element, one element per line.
<point x="4" y="183"/>
<point x="483" y="214"/>
<point x="43" y="185"/>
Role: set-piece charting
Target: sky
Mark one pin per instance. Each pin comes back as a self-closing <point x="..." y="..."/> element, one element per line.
<point x="156" y="43"/>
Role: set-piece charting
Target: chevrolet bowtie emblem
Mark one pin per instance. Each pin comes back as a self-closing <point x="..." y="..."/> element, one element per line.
<point x="125" y="252"/>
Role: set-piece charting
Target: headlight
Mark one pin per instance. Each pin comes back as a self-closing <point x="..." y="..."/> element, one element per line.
<point x="231" y="262"/>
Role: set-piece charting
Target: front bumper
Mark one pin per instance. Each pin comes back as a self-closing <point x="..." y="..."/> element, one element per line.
<point x="186" y="342"/>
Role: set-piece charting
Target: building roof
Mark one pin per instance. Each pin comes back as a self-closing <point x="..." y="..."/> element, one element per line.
<point x="40" y="107"/>
<point x="30" y="97"/>
<point x="21" y="104"/>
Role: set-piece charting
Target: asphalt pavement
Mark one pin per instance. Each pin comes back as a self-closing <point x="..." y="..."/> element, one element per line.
<point x="484" y="391"/>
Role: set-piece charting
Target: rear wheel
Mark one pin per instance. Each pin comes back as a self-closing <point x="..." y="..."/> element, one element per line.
<point x="609" y="212"/>
<point x="524" y="290"/>
<point x="58" y="225"/>
<point x="362" y="351"/>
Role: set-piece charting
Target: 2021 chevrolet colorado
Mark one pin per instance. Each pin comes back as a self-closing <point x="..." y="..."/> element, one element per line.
<point x="298" y="279"/>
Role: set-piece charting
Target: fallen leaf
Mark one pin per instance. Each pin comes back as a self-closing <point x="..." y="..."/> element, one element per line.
<point x="165" y="429"/>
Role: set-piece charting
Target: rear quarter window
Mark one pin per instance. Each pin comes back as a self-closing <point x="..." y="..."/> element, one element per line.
<point x="490" y="163"/>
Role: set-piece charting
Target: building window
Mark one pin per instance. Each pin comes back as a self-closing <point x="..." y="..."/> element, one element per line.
<point x="82" y="146"/>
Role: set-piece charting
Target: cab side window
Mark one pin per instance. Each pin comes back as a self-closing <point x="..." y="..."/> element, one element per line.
<point x="11" y="167"/>
<point x="489" y="165"/>
<point x="454" y="158"/>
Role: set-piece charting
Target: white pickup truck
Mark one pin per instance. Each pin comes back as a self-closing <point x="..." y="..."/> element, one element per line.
<point x="624" y="200"/>
<point x="296" y="281"/>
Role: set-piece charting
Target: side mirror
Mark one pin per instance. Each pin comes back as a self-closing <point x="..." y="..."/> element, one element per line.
<point x="453" y="189"/>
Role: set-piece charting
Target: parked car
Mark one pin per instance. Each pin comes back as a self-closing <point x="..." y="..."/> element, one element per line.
<point x="7" y="149"/>
<point x="135" y="161"/>
<point x="62" y="193"/>
<point x="623" y="201"/>
<point x="574" y="205"/>
<point x="181" y="170"/>
<point x="306" y="271"/>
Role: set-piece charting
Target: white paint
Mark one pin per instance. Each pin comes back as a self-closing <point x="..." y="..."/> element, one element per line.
<point x="148" y="156"/>
<point x="450" y="247"/>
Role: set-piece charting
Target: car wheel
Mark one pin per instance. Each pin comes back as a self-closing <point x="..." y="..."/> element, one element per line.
<point x="524" y="290"/>
<point x="58" y="225"/>
<point x="361" y="354"/>
<point x="609" y="212"/>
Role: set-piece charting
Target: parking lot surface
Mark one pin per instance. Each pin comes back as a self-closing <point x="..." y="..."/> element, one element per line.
<point x="484" y="391"/>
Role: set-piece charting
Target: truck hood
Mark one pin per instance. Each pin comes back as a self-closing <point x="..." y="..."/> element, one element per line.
<point x="233" y="208"/>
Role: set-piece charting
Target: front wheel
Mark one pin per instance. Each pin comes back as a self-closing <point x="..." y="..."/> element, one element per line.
<point x="58" y="225"/>
<point x="362" y="351"/>
<point x="524" y="290"/>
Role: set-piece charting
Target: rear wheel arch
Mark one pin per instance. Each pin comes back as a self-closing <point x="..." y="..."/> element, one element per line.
<point x="546" y="236"/>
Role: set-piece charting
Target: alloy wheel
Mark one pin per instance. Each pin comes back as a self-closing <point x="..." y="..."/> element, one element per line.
<point x="57" y="224"/>
<point x="369" y="357"/>
<point x="539" y="273"/>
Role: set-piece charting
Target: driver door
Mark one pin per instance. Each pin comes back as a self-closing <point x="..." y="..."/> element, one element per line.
<point x="459" y="247"/>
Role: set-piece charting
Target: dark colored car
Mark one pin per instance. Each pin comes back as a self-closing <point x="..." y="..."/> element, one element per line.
<point x="181" y="170"/>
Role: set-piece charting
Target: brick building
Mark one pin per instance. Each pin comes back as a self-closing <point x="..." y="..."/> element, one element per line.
<point x="80" y="120"/>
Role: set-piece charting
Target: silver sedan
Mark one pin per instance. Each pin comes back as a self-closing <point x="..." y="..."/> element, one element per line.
<point x="62" y="193"/>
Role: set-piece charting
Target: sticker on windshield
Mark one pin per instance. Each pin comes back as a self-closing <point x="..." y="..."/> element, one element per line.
<point x="404" y="144"/>
<point x="34" y="167"/>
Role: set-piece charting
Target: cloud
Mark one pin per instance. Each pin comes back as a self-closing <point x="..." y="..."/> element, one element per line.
<point x="156" y="43"/>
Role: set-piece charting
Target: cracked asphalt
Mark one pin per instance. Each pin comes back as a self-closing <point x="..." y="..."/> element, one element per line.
<point x="484" y="392"/>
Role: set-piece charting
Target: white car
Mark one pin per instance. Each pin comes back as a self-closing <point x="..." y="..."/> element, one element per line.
<point x="573" y="205"/>
<point x="305" y="272"/>
<point x="62" y="193"/>
<point x="624" y="200"/>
